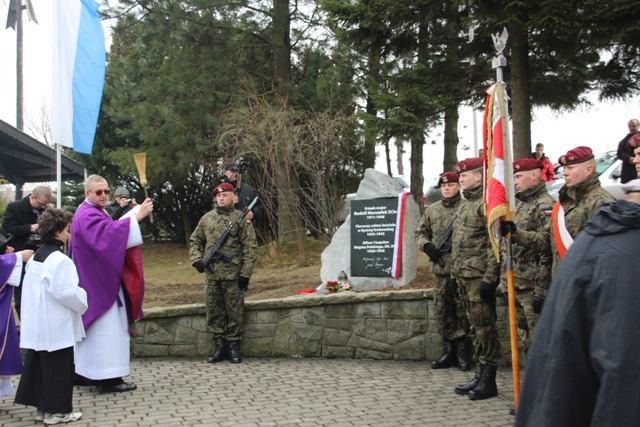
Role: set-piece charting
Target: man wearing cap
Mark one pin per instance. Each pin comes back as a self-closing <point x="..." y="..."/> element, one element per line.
<point x="578" y="199"/>
<point x="583" y="363"/>
<point x="244" y="192"/>
<point x="475" y="271"/>
<point x="625" y="153"/>
<point x="451" y="317"/>
<point x="225" y="280"/>
<point x="531" y="268"/>
<point x="121" y="204"/>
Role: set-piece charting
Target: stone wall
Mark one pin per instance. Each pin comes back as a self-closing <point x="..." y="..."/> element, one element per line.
<point x="376" y="325"/>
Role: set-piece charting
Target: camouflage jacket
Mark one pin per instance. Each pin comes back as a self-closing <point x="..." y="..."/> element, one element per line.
<point x="472" y="255"/>
<point x="432" y="224"/>
<point x="241" y="245"/>
<point x="531" y="268"/>
<point x="579" y="203"/>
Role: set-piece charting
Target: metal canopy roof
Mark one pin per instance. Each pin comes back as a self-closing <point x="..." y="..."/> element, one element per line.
<point x="25" y="159"/>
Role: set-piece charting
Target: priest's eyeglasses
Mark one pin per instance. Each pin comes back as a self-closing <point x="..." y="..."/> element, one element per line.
<point x="99" y="192"/>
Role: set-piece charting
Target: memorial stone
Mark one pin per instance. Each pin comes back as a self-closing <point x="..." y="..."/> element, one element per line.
<point x="337" y="256"/>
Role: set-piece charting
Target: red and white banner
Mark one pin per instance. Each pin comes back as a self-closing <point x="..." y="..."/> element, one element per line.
<point x="396" y="266"/>
<point x="498" y="176"/>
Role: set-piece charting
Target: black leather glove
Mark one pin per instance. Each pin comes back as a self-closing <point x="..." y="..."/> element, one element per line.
<point x="452" y="286"/>
<point x="507" y="227"/>
<point x="536" y="304"/>
<point x="199" y="265"/>
<point x="487" y="290"/>
<point x="243" y="284"/>
<point x="431" y="251"/>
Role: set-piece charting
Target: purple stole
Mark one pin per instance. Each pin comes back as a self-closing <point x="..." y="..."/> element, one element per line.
<point x="10" y="358"/>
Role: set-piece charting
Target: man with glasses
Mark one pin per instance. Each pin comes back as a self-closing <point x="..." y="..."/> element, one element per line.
<point x="99" y="248"/>
<point x="21" y="221"/>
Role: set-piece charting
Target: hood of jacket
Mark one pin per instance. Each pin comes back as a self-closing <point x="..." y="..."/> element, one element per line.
<point x="614" y="217"/>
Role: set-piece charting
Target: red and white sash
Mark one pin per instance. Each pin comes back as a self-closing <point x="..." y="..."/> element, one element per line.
<point x="561" y="235"/>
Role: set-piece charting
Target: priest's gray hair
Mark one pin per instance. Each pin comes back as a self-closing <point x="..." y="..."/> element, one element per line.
<point x="92" y="179"/>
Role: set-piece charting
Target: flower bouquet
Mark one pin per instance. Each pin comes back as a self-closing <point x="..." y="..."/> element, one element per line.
<point x="333" y="286"/>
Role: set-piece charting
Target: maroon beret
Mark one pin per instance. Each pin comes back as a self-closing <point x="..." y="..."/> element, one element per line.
<point x="634" y="141"/>
<point x="526" y="164"/>
<point x="221" y="188"/>
<point x="575" y="156"/>
<point x="469" y="164"/>
<point x="448" y="177"/>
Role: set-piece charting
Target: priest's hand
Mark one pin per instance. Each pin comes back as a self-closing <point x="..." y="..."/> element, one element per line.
<point x="145" y="209"/>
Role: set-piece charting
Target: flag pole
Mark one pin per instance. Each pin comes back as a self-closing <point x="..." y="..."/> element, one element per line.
<point x="59" y="175"/>
<point x="498" y="63"/>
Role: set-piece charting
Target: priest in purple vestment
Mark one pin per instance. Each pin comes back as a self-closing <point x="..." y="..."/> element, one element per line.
<point x="10" y="274"/>
<point x="98" y="248"/>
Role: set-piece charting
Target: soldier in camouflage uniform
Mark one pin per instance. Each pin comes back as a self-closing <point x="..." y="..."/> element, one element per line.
<point x="579" y="198"/>
<point x="475" y="269"/>
<point x="531" y="268"/>
<point x="451" y="316"/>
<point x="225" y="281"/>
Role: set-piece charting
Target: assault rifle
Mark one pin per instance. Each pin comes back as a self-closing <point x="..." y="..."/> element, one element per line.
<point x="214" y="252"/>
<point x="443" y="244"/>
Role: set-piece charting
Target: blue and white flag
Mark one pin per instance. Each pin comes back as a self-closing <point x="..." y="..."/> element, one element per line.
<point x="79" y="62"/>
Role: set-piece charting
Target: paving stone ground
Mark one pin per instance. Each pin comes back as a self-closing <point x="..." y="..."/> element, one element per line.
<point x="283" y="392"/>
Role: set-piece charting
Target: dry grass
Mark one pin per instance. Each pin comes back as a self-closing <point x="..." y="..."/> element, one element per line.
<point x="171" y="280"/>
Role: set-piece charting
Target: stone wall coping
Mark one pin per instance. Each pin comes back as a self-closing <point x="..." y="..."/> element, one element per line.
<point x="295" y="301"/>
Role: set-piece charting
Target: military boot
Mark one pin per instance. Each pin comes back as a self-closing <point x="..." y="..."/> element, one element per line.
<point x="448" y="357"/>
<point x="234" y="350"/>
<point x="487" y="386"/>
<point x="219" y="352"/>
<point x="463" y="352"/>
<point x="466" y="388"/>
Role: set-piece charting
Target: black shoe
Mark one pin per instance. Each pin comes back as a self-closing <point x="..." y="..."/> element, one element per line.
<point x="83" y="381"/>
<point x="448" y="357"/>
<point x="466" y="388"/>
<point x="219" y="352"/>
<point x="120" y="388"/>
<point x="512" y="409"/>
<point x="487" y="386"/>
<point x="234" y="350"/>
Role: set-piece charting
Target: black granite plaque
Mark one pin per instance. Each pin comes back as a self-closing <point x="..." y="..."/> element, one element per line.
<point x="373" y="233"/>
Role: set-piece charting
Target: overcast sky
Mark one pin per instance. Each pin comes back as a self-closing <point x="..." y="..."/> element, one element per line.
<point x="599" y="127"/>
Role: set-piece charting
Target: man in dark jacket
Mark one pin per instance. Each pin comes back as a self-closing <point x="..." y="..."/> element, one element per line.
<point x="626" y="154"/>
<point x="21" y="221"/>
<point x="583" y="364"/>
<point x="244" y="192"/>
<point x="121" y="204"/>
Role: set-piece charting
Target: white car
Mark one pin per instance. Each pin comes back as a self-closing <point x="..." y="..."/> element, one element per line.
<point x="608" y="169"/>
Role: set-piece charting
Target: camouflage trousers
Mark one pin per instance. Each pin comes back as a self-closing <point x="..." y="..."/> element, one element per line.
<point x="451" y="316"/>
<point x="482" y="316"/>
<point x="225" y="308"/>
<point x="525" y="317"/>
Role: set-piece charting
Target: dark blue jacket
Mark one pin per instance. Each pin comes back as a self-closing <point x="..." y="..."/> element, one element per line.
<point x="583" y="365"/>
